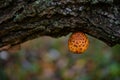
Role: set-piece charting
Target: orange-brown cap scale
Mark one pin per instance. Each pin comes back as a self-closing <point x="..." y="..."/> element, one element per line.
<point x="78" y="42"/>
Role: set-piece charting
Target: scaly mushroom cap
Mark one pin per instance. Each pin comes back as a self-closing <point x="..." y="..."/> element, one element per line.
<point x="78" y="42"/>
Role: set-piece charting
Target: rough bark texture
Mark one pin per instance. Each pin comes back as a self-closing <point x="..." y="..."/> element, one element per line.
<point x="22" y="20"/>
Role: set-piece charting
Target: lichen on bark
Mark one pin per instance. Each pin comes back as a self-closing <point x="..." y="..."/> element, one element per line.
<point x="22" y="20"/>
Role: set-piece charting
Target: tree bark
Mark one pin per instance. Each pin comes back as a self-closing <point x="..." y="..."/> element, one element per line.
<point x="22" y="20"/>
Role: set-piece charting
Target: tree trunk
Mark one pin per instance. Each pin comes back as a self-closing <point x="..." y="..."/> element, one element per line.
<point x="22" y="20"/>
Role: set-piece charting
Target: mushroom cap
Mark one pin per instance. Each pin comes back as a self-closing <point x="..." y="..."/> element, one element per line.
<point x="78" y="42"/>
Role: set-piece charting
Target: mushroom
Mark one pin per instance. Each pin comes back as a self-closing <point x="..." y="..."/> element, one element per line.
<point x="78" y="42"/>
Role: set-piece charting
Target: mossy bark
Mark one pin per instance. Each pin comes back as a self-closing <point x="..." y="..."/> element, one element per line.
<point x="22" y="20"/>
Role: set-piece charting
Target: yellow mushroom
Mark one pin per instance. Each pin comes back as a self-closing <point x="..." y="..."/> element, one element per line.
<point x="78" y="42"/>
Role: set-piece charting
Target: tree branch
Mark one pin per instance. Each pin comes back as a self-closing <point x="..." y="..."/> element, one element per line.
<point x="22" y="20"/>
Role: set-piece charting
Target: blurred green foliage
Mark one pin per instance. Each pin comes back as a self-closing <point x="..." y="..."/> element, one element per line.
<point x="47" y="58"/>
